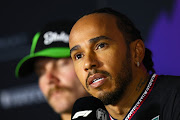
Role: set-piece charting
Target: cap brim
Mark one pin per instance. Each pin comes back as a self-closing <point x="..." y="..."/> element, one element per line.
<point x="26" y="65"/>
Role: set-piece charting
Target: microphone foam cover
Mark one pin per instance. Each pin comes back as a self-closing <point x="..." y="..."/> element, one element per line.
<point x="89" y="108"/>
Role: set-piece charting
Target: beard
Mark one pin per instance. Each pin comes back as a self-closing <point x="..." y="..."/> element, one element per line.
<point x="122" y="81"/>
<point x="57" y="89"/>
<point x="60" y="104"/>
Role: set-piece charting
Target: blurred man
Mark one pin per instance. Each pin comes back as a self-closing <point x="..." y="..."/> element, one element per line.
<point x="113" y="65"/>
<point x="50" y="59"/>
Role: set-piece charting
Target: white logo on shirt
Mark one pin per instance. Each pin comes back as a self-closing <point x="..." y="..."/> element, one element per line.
<point x="84" y="113"/>
<point x="50" y="37"/>
<point x="101" y="114"/>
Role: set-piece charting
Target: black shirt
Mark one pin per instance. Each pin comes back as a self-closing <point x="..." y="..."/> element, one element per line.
<point x="160" y="100"/>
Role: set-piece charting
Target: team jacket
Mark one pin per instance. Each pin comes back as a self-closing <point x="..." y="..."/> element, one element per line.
<point x="160" y="100"/>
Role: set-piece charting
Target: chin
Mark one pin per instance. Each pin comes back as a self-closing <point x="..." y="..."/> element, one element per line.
<point x="61" y="105"/>
<point x="62" y="108"/>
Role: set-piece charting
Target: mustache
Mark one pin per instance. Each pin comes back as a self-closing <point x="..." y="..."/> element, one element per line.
<point x="56" y="89"/>
<point x="94" y="72"/>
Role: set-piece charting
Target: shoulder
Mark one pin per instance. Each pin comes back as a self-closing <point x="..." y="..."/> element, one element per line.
<point x="169" y="82"/>
<point x="168" y="88"/>
<point x="169" y="96"/>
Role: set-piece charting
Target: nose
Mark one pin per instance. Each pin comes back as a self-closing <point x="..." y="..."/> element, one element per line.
<point x="53" y="79"/>
<point x="91" y="62"/>
<point x="52" y="76"/>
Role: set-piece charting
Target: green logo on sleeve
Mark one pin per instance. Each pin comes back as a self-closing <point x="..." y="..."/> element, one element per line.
<point x="156" y="118"/>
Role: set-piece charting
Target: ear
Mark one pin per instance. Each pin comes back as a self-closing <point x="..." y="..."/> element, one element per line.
<point x="138" y="49"/>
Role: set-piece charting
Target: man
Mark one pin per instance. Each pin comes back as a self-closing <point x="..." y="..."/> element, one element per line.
<point x="50" y="59"/>
<point x="112" y="64"/>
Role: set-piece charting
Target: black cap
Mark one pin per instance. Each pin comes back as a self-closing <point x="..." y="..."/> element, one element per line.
<point x="52" y="41"/>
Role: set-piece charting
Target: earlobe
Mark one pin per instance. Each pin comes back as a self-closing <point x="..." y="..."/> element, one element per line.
<point x="139" y="52"/>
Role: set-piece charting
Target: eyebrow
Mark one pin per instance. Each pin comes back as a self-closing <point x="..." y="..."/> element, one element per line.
<point x="96" y="39"/>
<point x="93" y="40"/>
<point x="77" y="47"/>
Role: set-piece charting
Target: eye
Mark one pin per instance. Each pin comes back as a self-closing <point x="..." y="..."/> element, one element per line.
<point x="40" y="72"/>
<point x="101" y="45"/>
<point x="62" y="63"/>
<point x="78" y="56"/>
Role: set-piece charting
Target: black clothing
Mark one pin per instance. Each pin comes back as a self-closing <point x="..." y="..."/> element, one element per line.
<point x="159" y="101"/>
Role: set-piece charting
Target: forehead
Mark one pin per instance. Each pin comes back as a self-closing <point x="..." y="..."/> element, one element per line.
<point x="44" y="60"/>
<point x="94" y="25"/>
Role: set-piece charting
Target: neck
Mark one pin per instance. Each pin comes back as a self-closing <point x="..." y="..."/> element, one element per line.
<point x="134" y="90"/>
<point x="66" y="116"/>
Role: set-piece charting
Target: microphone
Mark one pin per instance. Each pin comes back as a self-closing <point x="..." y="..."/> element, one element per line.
<point x="89" y="108"/>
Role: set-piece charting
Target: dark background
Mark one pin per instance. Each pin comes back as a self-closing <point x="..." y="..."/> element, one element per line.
<point x="20" y="99"/>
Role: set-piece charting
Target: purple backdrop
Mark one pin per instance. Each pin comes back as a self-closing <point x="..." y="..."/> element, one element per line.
<point x="164" y="41"/>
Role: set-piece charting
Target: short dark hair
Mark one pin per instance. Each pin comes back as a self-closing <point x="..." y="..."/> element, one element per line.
<point x="130" y="33"/>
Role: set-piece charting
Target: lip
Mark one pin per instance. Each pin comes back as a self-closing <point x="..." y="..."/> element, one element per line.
<point x="96" y="76"/>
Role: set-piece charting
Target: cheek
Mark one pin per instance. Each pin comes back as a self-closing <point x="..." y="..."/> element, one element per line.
<point x="112" y="61"/>
<point x="70" y="73"/>
<point x="70" y="78"/>
<point x="43" y="87"/>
